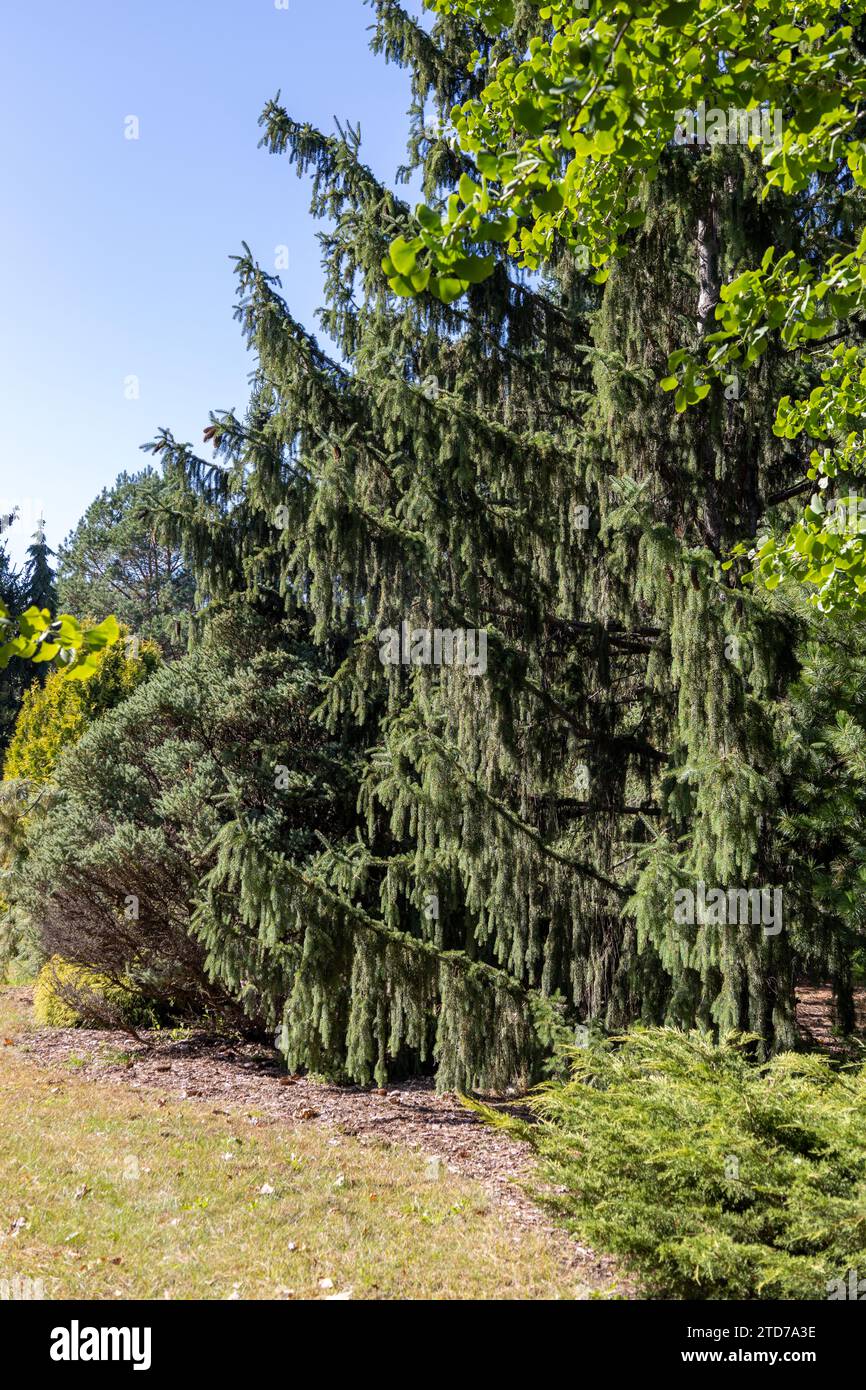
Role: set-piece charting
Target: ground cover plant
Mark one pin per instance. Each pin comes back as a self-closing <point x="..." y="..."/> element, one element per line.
<point x="713" y="1175"/>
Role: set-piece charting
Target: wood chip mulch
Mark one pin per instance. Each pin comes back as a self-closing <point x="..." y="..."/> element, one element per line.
<point x="815" y="1017"/>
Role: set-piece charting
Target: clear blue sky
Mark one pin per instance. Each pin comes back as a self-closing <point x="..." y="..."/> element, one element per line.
<point x="115" y="251"/>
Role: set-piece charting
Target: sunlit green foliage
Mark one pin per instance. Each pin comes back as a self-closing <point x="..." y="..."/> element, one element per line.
<point x="713" y="1176"/>
<point x="564" y="143"/>
<point x="56" y="714"/>
<point x="35" y="635"/>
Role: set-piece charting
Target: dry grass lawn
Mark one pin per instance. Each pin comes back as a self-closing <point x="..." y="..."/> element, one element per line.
<point x="109" y="1194"/>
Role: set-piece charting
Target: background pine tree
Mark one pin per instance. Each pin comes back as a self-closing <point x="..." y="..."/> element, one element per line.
<point x="114" y="562"/>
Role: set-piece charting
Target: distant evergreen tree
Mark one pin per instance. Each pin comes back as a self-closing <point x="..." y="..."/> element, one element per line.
<point x="38" y="577"/>
<point x="15" y="678"/>
<point x="113" y="562"/>
<point x="10" y="579"/>
<point x="37" y="585"/>
<point x="506" y="464"/>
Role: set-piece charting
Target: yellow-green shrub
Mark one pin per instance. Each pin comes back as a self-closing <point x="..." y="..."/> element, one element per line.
<point x="59" y="980"/>
<point x="715" y="1177"/>
<point x="56" y="714"/>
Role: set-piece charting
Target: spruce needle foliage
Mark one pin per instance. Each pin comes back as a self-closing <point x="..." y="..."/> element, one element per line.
<point x="502" y="460"/>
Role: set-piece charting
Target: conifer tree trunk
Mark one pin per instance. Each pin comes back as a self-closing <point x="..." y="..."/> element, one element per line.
<point x="709" y="279"/>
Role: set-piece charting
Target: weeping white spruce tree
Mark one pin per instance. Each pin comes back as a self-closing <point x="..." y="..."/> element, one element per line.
<point x="502" y="463"/>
